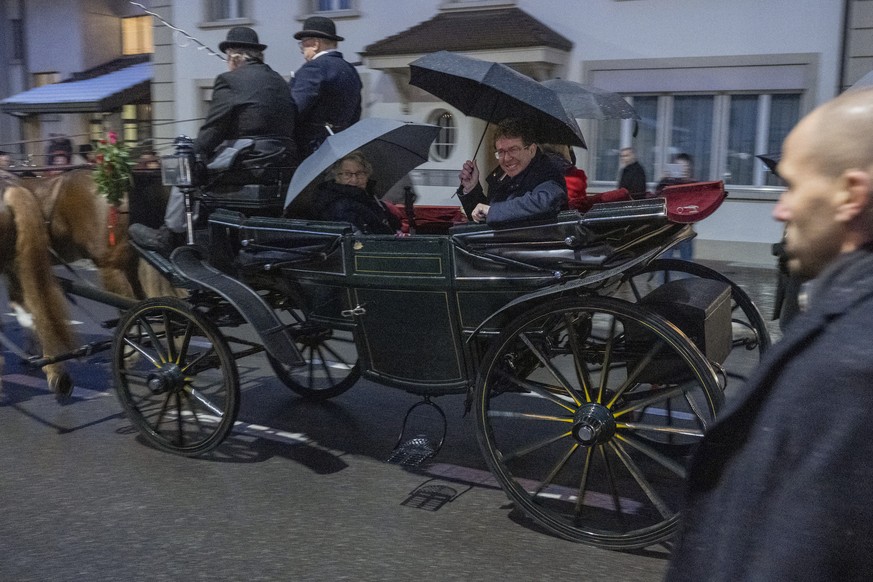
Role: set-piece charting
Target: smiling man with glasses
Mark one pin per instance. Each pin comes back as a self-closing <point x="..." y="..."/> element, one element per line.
<point x="526" y="185"/>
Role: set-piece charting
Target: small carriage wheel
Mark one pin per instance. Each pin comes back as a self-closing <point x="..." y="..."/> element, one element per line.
<point x="555" y="406"/>
<point x="176" y="376"/>
<point x="750" y="334"/>
<point x="331" y="359"/>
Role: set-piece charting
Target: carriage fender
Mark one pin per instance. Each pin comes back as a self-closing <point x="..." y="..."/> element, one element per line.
<point x="273" y="333"/>
<point x="573" y="286"/>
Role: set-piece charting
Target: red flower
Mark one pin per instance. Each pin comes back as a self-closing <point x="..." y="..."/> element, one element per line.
<point x="113" y="137"/>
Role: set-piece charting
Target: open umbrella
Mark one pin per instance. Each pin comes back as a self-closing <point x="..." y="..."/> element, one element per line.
<point x="590" y="102"/>
<point x="862" y="83"/>
<point x="771" y="160"/>
<point x="394" y="148"/>
<point x="493" y="92"/>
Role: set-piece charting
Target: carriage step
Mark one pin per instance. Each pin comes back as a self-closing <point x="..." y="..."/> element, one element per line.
<point x="413" y="452"/>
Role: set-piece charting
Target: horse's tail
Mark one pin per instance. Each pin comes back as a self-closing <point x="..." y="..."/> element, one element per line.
<point x="41" y="293"/>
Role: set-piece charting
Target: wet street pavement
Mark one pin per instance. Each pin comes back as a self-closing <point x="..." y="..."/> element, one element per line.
<point x="300" y="491"/>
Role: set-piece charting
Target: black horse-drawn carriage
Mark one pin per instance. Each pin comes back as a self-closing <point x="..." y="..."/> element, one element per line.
<point x="591" y="366"/>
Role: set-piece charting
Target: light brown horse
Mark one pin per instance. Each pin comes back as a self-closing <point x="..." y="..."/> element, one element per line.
<point x="65" y="213"/>
<point x="26" y="261"/>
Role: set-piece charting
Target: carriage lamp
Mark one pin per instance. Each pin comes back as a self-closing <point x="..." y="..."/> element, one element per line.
<point x="177" y="169"/>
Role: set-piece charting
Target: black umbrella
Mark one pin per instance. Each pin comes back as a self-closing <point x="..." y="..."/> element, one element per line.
<point x="394" y="148"/>
<point x="862" y="83"/>
<point x="493" y="92"/>
<point x="771" y="161"/>
<point x="590" y="102"/>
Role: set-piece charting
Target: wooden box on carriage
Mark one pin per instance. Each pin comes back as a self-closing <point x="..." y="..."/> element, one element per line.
<point x="701" y="308"/>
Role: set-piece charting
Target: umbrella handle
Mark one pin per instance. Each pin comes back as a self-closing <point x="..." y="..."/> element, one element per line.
<point x="487" y="123"/>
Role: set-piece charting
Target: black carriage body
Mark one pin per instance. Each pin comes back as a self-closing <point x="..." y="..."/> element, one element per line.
<point x="416" y="303"/>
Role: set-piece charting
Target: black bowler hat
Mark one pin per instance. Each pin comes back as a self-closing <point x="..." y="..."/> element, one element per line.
<point x="318" y="27"/>
<point x="241" y="37"/>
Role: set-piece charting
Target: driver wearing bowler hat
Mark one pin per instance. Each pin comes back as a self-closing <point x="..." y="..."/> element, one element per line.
<point x="249" y="100"/>
<point x="326" y="89"/>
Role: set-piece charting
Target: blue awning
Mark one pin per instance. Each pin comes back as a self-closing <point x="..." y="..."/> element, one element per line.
<point x="104" y="93"/>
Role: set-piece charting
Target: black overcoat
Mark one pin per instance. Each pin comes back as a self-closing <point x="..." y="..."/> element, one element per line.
<point x="780" y="488"/>
<point x="250" y="101"/>
<point x="326" y="89"/>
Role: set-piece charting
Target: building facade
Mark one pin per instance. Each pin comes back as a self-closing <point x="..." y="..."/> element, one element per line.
<point x="74" y="69"/>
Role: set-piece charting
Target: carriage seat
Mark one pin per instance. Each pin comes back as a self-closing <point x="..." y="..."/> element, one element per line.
<point x="241" y="243"/>
<point x="248" y="199"/>
<point x="251" y="176"/>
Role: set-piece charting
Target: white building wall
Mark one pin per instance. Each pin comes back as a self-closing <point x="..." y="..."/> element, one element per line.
<point x="601" y="30"/>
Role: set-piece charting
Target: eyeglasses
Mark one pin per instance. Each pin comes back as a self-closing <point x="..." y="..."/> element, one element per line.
<point x="351" y="175"/>
<point x="307" y="42"/>
<point x="512" y="152"/>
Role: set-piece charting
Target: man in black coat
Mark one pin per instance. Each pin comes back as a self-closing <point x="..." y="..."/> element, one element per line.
<point x="326" y="89"/>
<point x="633" y="176"/>
<point x="249" y="101"/>
<point x="780" y="486"/>
<point x="526" y="185"/>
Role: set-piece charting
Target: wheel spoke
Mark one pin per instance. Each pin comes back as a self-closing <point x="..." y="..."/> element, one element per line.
<point x="512" y="455"/>
<point x="141" y="351"/>
<point x="613" y="487"/>
<point x="337" y="357"/>
<point x="582" y="374"/>
<point x="197" y="396"/>
<point x="641" y="480"/>
<point x="658" y="396"/>
<point x="607" y="358"/>
<point x="551" y="368"/>
<point x="192" y="365"/>
<point x="156" y="343"/>
<point x="653" y="454"/>
<point x="583" y="483"/>
<point x="325" y="366"/>
<point x="660" y="428"/>
<point x="556" y="469"/>
<point x="631" y="379"/>
<point x="186" y="343"/>
<point x="535" y="388"/>
<point x="526" y="416"/>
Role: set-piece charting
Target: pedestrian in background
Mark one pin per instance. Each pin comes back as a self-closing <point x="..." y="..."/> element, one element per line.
<point x="779" y="488"/>
<point x="326" y="89"/>
<point x="680" y="171"/>
<point x="632" y="176"/>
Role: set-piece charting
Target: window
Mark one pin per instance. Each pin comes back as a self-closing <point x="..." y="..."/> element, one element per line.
<point x="16" y="36"/>
<point x="136" y="35"/>
<point x="332" y="5"/>
<point x="721" y="132"/>
<point x="40" y="79"/>
<point x="225" y="10"/>
<point x="136" y="124"/>
<point x="444" y="144"/>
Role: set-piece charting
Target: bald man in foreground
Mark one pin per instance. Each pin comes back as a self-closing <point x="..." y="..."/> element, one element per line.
<point x="780" y="488"/>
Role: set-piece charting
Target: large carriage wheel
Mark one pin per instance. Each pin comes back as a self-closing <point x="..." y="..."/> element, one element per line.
<point x="331" y="359"/>
<point x="175" y="376"/>
<point x="750" y="335"/>
<point x="558" y="403"/>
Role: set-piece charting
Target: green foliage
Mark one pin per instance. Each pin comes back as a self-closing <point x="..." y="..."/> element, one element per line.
<point x="112" y="170"/>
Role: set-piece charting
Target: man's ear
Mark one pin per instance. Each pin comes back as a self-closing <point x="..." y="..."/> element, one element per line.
<point x="855" y="196"/>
